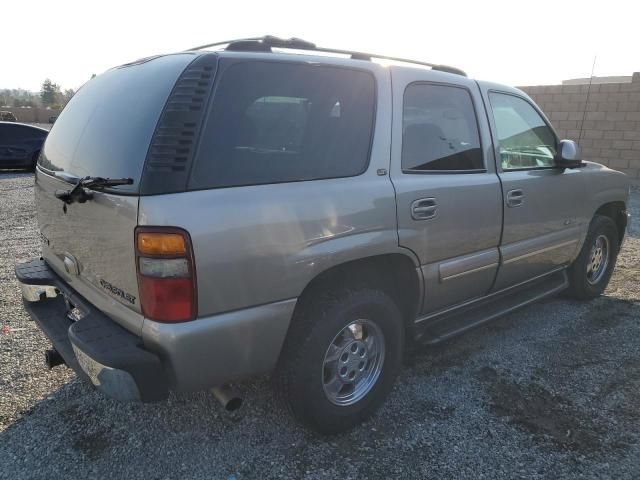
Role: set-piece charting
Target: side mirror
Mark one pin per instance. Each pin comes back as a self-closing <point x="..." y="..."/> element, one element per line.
<point x="569" y="155"/>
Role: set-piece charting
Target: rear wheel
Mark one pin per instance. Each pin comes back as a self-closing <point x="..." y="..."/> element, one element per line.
<point x="591" y="271"/>
<point x="341" y="357"/>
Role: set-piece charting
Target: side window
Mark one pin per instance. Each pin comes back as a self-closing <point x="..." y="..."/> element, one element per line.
<point x="274" y="122"/>
<point x="524" y="139"/>
<point x="439" y="130"/>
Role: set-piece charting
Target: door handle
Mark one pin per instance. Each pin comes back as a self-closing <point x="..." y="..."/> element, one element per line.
<point x="424" y="208"/>
<point x="515" y="198"/>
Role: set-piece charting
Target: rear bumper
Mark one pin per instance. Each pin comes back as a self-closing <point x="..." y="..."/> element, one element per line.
<point x="94" y="346"/>
<point x="203" y="353"/>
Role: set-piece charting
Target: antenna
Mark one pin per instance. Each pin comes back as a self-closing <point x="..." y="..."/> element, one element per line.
<point x="586" y="102"/>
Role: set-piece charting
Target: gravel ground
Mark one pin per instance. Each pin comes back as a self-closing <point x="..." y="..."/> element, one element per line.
<point x="551" y="391"/>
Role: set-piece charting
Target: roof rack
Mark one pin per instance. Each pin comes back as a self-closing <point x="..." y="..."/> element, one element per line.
<point x="266" y="43"/>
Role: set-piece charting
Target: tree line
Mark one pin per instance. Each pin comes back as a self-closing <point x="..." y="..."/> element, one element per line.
<point x="50" y="95"/>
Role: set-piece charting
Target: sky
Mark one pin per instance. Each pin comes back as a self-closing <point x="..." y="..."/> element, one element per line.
<point x="513" y="42"/>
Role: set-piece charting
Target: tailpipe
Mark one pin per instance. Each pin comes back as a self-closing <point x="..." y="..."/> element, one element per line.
<point x="53" y="358"/>
<point x="228" y="397"/>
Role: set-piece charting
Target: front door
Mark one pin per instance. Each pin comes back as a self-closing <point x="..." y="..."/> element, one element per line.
<point x="541" y="222"/>
<point x="447" y="192"/>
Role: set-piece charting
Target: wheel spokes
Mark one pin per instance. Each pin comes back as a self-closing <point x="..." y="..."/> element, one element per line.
<point x="333" y="353"/>
<point x="334" y="385"/>
<point x="353" y="362"/>
<point x="372" y="349"/>
<point x="598" y="259"/>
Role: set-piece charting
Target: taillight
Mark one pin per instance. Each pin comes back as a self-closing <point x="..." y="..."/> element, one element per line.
<point x="166" y="274"/>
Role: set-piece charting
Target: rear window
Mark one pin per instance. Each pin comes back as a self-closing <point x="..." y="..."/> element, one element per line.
<point x="106" y="128"/>
<point x="276" y="122"/>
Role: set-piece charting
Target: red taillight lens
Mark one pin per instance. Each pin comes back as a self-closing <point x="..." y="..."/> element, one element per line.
<point x="166" y="274"/>
<point x="167" y="299"/>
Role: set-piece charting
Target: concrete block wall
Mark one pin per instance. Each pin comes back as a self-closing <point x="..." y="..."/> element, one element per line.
<point x="610" y="120"/>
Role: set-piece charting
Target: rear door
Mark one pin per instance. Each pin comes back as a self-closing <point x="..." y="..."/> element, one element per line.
<point x="5" y="135"/>
<point x="542" y="225"/>
<point x="105" y="131"/>
<point x="448" y="195"/>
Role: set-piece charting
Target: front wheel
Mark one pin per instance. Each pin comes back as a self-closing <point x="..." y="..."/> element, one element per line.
<point x="590" y="273"/>
<point x="341" y="357"/>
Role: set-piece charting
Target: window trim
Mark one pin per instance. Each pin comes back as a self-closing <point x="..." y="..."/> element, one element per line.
<point x="409" y="171"/>
<point x="224" y="63"/>
<point x="494" y="127"/>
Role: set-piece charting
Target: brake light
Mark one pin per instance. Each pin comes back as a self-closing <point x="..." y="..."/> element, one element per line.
<point x="166" y="274"/>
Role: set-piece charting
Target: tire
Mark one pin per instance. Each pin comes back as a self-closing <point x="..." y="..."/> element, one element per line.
<point x="585" y="282"/>
<point x="321" y="322"/>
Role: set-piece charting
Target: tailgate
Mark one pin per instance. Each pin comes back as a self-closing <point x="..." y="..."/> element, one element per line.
<point x="91" y="247"/>
<point x="104" y="131"/>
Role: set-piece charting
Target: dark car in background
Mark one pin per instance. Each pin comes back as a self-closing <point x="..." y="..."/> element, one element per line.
<point x="20" y="145"/>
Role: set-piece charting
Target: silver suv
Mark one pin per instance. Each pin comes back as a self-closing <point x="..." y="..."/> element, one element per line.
<point x="225" y="212"/>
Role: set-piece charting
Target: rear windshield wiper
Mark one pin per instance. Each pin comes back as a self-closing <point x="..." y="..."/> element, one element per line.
<point x="81" y="192"/>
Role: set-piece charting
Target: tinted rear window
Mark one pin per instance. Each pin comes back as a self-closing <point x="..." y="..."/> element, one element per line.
<point x="106" y="128"/>
<point x="440" y="132"/>
<point x="276" y="122"/>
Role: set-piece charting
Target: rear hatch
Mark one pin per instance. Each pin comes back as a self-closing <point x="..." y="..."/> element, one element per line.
<point x="104" y="131"/>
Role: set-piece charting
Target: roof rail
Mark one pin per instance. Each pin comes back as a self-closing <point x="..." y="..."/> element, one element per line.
<point x="266" y="43"/>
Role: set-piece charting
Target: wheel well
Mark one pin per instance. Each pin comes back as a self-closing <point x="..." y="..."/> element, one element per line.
<point x="395" y="273"/>
<point x="615" y="211"/>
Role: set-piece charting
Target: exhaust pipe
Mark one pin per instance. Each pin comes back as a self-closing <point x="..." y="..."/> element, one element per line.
<point x="228" y="397"/>
<point x="53" y="358"/>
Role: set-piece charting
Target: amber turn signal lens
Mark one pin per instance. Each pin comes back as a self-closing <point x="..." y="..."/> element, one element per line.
<point x="157" y="243"/>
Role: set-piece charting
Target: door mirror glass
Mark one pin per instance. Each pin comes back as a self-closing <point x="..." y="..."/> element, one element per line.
<point x="569" y="155"/>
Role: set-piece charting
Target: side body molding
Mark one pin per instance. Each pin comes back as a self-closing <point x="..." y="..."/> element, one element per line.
<point x="468" y="264"/>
